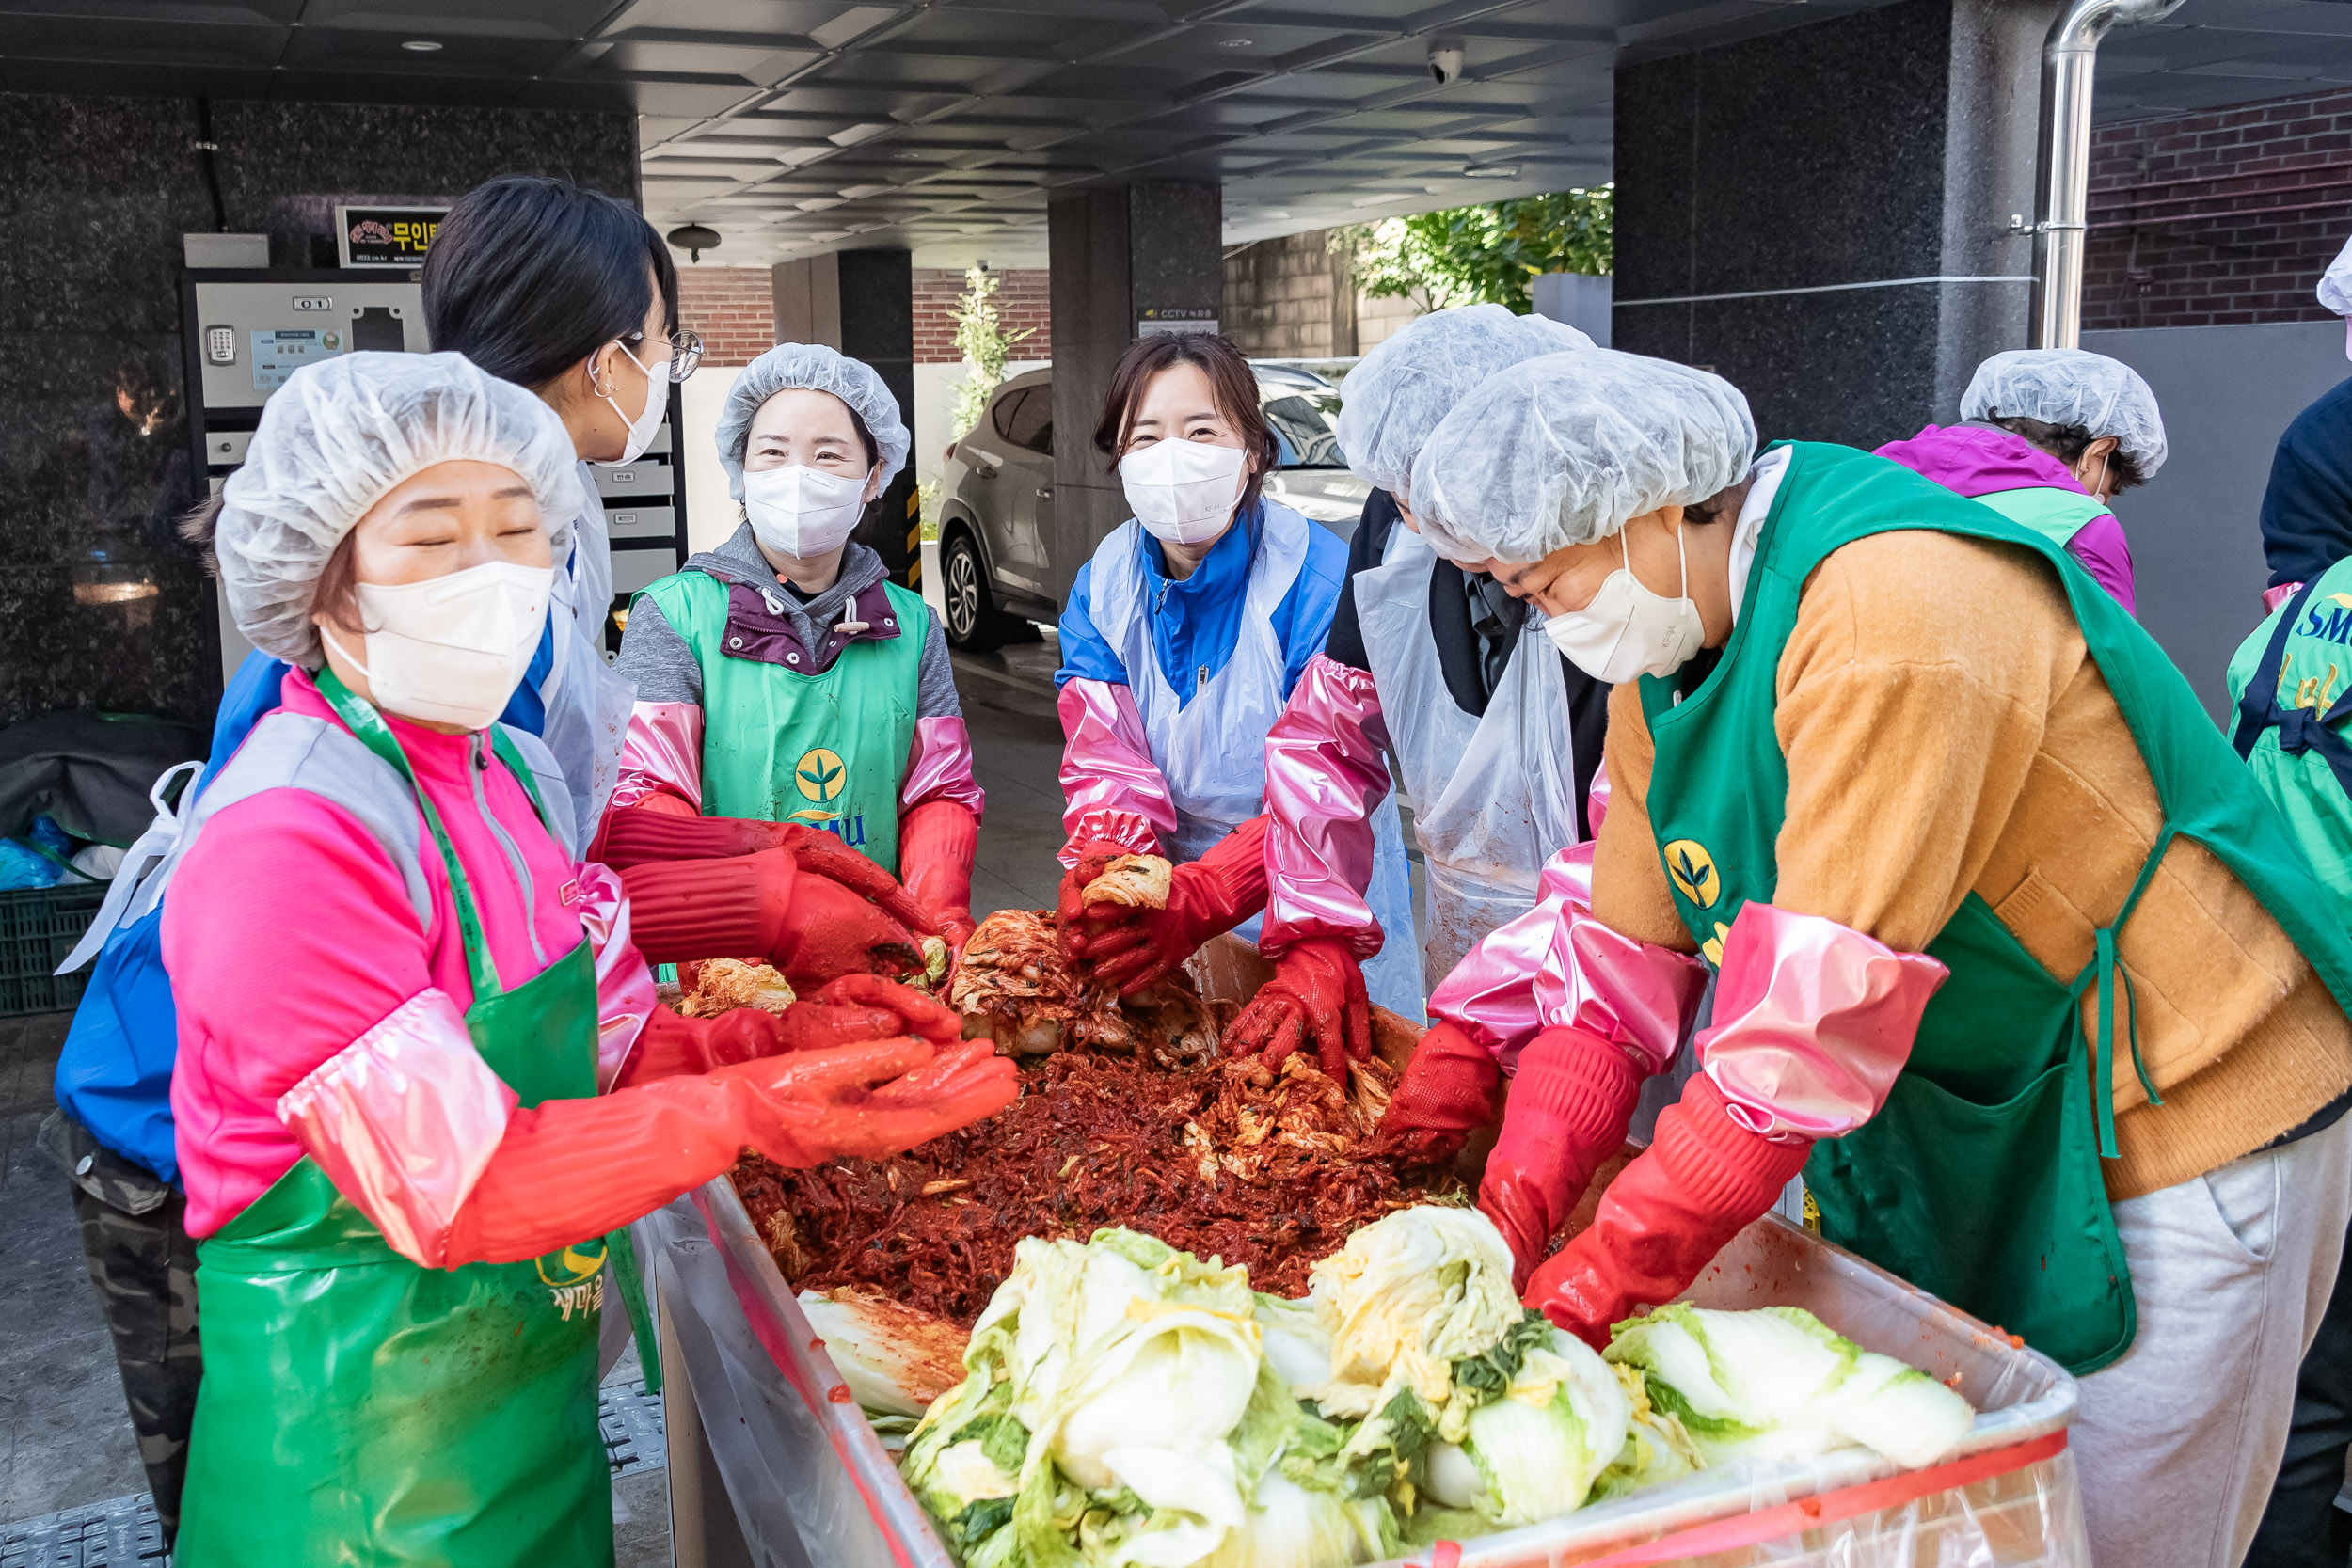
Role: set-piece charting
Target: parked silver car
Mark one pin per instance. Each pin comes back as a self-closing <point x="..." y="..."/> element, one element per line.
<point x="997" y="494"/>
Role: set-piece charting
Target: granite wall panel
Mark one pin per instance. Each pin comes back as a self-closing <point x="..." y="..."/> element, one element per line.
<point x="1875" y="147"/>
<point x="94" y="473"/>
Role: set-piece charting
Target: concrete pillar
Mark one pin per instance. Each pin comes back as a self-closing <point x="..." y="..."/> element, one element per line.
<point x="1821" y="215"/>
<point x="1126" y="260"/>
<point x="862" y="302"/>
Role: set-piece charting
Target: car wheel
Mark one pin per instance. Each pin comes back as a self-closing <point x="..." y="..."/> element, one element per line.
<point x="972" y="618"/>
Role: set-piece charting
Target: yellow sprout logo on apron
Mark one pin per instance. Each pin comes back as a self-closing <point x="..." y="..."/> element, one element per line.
<point x="820" y="775"/>
<point x="575" y="1277"/>
<point x="1692" y="872"/>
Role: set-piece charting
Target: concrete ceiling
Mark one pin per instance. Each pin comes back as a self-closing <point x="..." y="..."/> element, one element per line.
<point x="2215" y="51"/>
<point x="793" y="126"/>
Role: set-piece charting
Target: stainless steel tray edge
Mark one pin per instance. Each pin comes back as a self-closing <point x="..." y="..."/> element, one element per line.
<point x="1771" y="1260"/>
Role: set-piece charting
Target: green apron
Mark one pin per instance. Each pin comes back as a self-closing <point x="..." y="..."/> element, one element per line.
<point x="829" y="750"/>
<point x="359" y="1409"/>
<point x="2056" y="514"/>
<point x="1979" y="1178"/>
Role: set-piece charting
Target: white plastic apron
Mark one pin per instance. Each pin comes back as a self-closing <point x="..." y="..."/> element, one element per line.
<point x="1212" y="750"/>
<point x="1494" y="797"/>
<point x="587" y="701"/>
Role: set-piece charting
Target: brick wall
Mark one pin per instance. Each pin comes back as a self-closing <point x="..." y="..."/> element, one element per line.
<point x="1023" y="300"/>
<point x="733" y="308"/>
<point x="2219" y="218"/>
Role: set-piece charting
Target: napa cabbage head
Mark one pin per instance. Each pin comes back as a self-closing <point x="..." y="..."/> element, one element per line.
<point x="1063" y="1299"/>
<point x="1289" y="1526"/>
<point x="1408" y="1295"/>
<point x="1535" y="1452"/>
<point x="1775" y="1382"/>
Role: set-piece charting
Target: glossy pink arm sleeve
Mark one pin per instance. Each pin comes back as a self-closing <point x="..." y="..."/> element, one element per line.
<point x="1324" y="772"/>
<point x="624" y="984"/>
<point x="404" y="1122"/>
<point x="1558" y="966"/>
<point x="938" y="768"/>
<point x="663" y="754"/>
<point x="1813" y="1021"/>
<point x="1112" y="791"/>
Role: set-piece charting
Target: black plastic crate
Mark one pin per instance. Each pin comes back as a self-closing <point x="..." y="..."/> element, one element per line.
<point x="38" y="926"/>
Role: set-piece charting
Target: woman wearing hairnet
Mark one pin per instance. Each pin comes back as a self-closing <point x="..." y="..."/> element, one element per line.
<point x="1184" y="637"/>
<point x="404" y="1134"/>
<point x="1496" y="737"/>
<point x="2050" y="434"/>
<point x="1955" y="841"/>
<point x="781" y="676"/>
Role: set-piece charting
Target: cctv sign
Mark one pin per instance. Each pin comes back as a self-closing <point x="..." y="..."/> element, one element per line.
<point x="385" y="236"/>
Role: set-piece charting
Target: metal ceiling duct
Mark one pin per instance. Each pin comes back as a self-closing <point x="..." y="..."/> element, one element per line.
<point x="2070" y="60"/>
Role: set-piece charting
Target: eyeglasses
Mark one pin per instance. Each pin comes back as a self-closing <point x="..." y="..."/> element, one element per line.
<point x="685" y="353"/>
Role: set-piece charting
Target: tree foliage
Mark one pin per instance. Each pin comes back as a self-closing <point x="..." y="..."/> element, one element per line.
<point x="1484" y="253"/>
<point x="981" y="339"/>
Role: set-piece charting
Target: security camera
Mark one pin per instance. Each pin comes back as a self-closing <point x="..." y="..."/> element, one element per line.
<point x="1445" y="61"/>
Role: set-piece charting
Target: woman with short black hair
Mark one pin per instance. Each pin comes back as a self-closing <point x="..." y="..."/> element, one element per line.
<point x="571" y="293"/>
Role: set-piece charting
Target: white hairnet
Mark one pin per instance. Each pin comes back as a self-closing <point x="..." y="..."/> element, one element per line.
<point x="1566" y="448"/>
<point x="824" y="370"/>
<point x="1396" y="395"/>
<point x="2071" y="387"/>
<point x="2335" y="284"/>
<point x="340" y="434"/>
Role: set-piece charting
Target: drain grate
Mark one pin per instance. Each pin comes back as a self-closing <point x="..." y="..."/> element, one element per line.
<point x="122" y="1531"/>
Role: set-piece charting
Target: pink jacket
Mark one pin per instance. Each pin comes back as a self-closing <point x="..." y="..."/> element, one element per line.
<point x="289" y="935"/>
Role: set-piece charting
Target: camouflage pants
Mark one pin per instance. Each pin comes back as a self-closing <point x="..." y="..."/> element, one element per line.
<point x="143" y="1266"/>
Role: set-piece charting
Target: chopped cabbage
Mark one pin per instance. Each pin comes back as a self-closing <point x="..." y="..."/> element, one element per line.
<point x="1127" y="1405"/>
<point x="1775" y="1382"/>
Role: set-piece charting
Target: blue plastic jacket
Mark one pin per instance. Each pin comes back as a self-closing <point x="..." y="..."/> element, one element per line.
<point x="1196" y="622"/>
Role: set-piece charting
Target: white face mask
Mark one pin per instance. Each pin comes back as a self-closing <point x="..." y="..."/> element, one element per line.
<point x="453" y="649"/>
<point x="647" y="424"/>
<point x="1627" y="631"/>
<point x="1182" y="491"/>
<point x="803" y="512"/>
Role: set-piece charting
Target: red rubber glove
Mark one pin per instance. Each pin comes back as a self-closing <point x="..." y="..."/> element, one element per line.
<point x="635" y="836"/>
<point x="1452" y="1087"/>
<point x="1666" y="1216"/>
<point x="1070" y="910"/>
<point x="666" y="804"/>
<point x="852" y="1008"/>
<point x="810" y="928"/>
<point x="1570" y="1103"/>
<point x="1133" y="948"/>
<point x="1316" y="998"/>
<point x="936" y="842"/>
<point x="571" y="1169"/>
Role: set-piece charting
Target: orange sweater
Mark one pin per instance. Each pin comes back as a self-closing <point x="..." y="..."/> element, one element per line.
<point x="1946" y="730"/>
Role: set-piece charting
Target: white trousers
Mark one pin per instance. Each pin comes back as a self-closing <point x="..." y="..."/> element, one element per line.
<point x="2180" y="1440"/>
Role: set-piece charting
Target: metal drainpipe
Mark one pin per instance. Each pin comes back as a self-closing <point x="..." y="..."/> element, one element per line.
<point x="2069" y="62"/>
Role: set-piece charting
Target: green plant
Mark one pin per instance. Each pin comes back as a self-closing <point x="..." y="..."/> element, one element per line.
<point x="1485" y="252"/>
<point x="981" y="339"/>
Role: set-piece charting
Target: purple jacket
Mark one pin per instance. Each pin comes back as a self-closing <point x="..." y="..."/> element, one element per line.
<point x="1975" y="460"/>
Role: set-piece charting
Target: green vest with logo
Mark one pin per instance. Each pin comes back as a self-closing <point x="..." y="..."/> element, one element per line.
<point x="1979" y="1180"/>
<point x="829" y="750"/>
<point x="2287" y="685"/>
